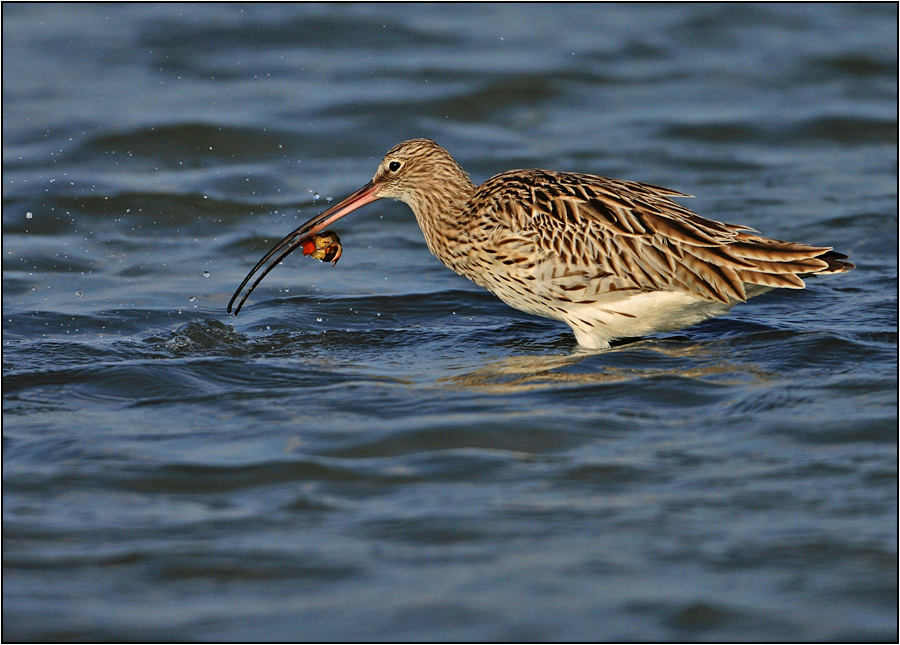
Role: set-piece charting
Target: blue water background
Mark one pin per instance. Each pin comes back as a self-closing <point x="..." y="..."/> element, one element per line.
<point x="381" y="450"/>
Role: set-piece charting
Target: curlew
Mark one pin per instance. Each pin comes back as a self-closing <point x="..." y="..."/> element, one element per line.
<point x="610" y="258"/>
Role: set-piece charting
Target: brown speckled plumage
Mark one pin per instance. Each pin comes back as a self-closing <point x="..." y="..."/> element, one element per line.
<point x="610" y="258"/>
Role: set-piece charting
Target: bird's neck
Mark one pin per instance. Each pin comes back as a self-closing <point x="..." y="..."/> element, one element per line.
<point x="441" y="214"/>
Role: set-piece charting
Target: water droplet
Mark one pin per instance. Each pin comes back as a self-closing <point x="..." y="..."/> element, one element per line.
<point x="78" y="294"/>
<point x="206" y="274"/>
<point x="193" y="298"/>
<point x="28" y="215"/>
<point x="318" y="319"/>
<point x="316" y="196"/>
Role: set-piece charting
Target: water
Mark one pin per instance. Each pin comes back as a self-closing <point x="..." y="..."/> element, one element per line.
<point x="380" y="450"/>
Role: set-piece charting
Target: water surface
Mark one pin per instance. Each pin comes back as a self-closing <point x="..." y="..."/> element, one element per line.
<point x="380" y="450"/>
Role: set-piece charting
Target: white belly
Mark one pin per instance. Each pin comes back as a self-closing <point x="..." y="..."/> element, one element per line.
<point x="595" y="325"/>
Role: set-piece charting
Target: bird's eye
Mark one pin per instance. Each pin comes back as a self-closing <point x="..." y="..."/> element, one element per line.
<point x="394" y="166"/>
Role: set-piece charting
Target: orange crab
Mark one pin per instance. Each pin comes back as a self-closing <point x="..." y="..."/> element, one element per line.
<point x="324" y="246"/>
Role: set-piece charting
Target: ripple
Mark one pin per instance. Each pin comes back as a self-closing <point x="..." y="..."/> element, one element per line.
<point x="830" y="129"/>
<point x="382" y="450"/>
<point x="187" y="145"/>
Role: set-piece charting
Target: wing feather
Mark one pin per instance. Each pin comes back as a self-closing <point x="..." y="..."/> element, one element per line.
<point x="632" y="236"/>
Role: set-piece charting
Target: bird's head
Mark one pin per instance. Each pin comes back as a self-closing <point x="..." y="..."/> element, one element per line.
<point x="415" y="170"/>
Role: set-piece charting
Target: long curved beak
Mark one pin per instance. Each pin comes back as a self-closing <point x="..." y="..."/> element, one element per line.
<point x="294" y="240"/>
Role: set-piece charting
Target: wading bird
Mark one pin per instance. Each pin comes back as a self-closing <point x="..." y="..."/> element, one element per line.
<point x="610" y="258"/>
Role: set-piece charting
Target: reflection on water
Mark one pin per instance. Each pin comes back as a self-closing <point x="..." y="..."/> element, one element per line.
<point x="538" y="372"/>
